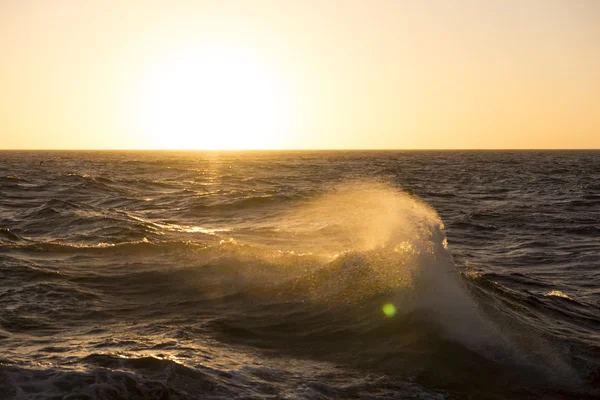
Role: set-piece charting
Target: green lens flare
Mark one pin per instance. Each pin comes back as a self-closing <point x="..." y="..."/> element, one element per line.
<point x="389" y="310"/>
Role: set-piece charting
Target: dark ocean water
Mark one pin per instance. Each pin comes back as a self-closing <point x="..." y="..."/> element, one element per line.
<point x="182" y="275"/>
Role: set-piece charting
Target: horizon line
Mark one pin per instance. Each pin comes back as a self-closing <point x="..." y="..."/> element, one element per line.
<point x="306" y="150"/>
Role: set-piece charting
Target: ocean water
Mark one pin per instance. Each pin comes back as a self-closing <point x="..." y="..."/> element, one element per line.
<point x="300" y="275"/>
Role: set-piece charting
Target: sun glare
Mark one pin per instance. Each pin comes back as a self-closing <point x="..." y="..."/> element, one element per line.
<point x="212" y="98"/>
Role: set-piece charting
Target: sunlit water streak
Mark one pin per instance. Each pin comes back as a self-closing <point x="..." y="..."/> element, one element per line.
<point x="299" y="275"/>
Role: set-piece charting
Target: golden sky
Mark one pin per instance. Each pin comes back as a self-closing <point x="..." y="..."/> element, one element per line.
<point x="373" y="74"/>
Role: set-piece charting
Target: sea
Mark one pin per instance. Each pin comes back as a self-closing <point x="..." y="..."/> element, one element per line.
<point x="299" y="275"/>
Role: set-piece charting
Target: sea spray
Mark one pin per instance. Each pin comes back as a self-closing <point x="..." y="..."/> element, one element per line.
<point x="385" y="240"/>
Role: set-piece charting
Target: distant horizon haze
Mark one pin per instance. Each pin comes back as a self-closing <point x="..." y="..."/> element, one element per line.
<point x="297" y="150"/>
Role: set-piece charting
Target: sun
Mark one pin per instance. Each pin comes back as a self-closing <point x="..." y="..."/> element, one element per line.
<point x="213" y="97"/>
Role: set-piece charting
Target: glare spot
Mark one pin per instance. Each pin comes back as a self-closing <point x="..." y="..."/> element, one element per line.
<point x="389" y="310"/>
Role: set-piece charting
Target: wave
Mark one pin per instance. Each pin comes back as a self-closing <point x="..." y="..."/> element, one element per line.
<point x="156" y="377"/>
<point x="13" y="181"/>
<point x="241" y="205"/>
<point x="362" y="245"/>
<point x="7" y="234"/>
<point x="143" y="246"/>
<point x="361" y="275"/>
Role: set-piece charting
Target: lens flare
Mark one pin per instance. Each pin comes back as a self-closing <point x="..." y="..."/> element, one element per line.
<point x="389" y="310"/>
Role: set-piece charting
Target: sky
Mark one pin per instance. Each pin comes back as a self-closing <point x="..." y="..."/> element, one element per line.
<point x="323" y="74"/>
